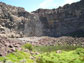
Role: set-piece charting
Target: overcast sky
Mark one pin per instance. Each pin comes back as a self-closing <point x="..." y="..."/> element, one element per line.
<point x="32" y="5"/>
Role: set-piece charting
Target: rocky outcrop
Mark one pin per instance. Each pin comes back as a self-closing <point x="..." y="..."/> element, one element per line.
<point x="16" y="20"/>
<point x="63" y="21"/>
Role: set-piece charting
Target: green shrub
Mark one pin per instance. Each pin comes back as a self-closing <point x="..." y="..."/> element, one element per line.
<point x="80" y="51"/>
<point x="28" y="46"/>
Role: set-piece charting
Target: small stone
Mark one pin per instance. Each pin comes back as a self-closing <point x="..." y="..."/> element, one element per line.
<point x="59" y="51"/>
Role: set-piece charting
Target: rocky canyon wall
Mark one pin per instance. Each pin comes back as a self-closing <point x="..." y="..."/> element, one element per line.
<point x="15" y="21"/>
<point x="63" y="21"/>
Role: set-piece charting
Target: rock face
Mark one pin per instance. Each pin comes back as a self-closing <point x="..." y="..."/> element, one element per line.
<point x="63" y="21"/>
<point x="66" y="20"/>
<point x="16" y="20"/>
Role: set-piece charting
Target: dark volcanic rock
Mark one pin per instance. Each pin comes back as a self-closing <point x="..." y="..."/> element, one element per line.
<point x="63" y="21"/>
<point x="16" y="20"/>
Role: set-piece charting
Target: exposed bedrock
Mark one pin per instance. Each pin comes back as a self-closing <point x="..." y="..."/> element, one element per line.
<point x="63" y="21"/>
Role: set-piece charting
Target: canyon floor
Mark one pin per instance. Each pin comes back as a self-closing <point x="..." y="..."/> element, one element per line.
<point x="42" y="50"/>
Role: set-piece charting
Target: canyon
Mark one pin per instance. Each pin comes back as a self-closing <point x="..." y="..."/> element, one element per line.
<point x="63" y="21"/>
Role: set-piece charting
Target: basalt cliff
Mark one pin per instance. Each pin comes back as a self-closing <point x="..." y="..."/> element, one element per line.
<point x="63" y="21"/>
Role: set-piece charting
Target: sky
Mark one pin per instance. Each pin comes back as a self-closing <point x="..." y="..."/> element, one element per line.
<point x="32" y="5"/>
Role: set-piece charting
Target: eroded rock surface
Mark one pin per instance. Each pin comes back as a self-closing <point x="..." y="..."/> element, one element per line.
<point x="16" y="20"/>
<point x="67" y="20"/>
<point x="63" y="21"/>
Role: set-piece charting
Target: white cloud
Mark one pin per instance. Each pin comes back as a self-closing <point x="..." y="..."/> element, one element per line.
<point x="70" y="1"/>
<point x="46" y="3"/>
<point x="55" y="3"/>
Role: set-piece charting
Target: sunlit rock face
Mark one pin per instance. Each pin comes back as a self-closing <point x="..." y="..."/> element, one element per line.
<point x="19" y="21"/>
<point x="67" y="20"/>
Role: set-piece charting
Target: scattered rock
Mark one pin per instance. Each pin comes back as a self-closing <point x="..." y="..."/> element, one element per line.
<point x="51" y="41"/>
<point x="8" y="46"/>
<point x="59" y="51"/>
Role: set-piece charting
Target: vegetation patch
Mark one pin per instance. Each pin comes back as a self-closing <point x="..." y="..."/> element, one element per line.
<point x="43" y="49"/>
<point x="75" y="56"/>
<point x="17" y="57"/>
<point x="48" y="54"/>
<point x="28" y="46"/>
